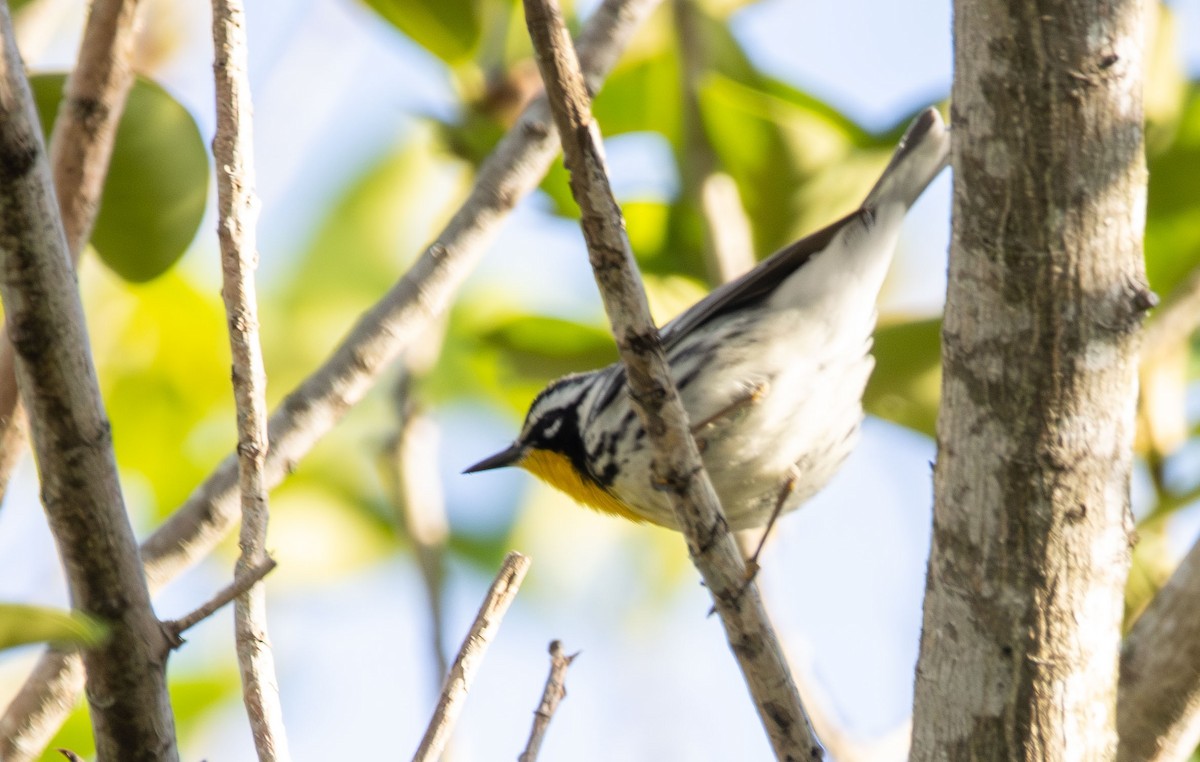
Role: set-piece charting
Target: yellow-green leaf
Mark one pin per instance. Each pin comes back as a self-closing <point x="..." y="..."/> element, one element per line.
<point x="21" y="624"/>
<point x="906" y="385"/>
<point x="449" y="29"/>
<point x="157" y="185"/>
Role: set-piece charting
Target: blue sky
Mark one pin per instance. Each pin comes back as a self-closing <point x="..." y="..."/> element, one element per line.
<point x="334" y="88"/>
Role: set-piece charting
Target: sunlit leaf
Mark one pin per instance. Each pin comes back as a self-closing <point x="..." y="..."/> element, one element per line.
<point x="798" y="166"/>
<point x="1172" y="233"/>
<point x="906" y="385"/>
<point x="21" y="624"/>
<point x="449" y="29"/>
<point x="162" y="354"/>
<point x="157" y="185"/>
<point x="642" y="94"/>
<point x="1165" y="78"/>
<point x="541" y="346"/>
<point x="647" y="223"/>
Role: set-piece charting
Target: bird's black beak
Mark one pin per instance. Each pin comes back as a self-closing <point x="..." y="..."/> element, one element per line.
<point x="507" y="457"/>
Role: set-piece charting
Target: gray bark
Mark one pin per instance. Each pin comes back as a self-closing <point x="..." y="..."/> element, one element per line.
<point x="72" y="441"/>
<point x="1046" y="297"/>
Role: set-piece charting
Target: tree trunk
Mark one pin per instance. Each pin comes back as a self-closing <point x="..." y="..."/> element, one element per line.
<point x="1046" y="297"/>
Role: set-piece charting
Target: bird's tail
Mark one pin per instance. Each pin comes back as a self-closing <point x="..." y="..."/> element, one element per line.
<point x="923" y="152"/>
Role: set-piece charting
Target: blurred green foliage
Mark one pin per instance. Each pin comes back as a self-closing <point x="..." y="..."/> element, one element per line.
<point x="21" y="624"/>
<point x="157" y="185"/>
<point x="797" y="163"/>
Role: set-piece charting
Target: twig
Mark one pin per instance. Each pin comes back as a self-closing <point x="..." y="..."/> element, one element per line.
<point x="677" y="466"/>
<point x="728" y="242"/>
<point x="311" y="410"/>
<point x="240" y="584"/>
<point x="554" y="692"/>
<point x="1158" y="697"/>
<point x="80" y="148"/>
<point x="470" y="655"/>
<point x="420" y="505"/>
<point x="233" y="150"/>
<point x="72" y="440"/>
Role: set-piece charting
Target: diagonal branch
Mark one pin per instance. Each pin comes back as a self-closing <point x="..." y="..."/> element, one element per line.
<point x="677" y="466"/>
<point x="80" y="148"/>
<point x="728" y="241"/>
<point x="462" y="672"/>
<point x="1158" y="696"/>
<point x="311" y="410"/>
<point x="72" y="441"/>
<point x="412" y="468"/>
<point x="233" y="149"/>
<point x="554" y="692"/>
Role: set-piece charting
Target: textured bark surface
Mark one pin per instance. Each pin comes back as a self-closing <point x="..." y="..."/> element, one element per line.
<point x="1158" y="702"/>
<point x="1046" y="296"/>
<point x="72" y="441"/>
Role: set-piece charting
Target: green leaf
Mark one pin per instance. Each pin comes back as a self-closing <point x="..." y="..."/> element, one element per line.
<point x="541" y="347"/>
<point x="798" y="162"/>
<point x="162" y="355"/>
<point x="21" y="624"/>
<point x="157" y="185"/>
<point x="906" y="385"/>
<point x="641" y="94"/>
<point x="1172" y="231"/>
<point x="449" y="29"/>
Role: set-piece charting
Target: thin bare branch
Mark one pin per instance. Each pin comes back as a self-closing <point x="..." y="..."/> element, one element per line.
<point x="677" y="465"/>
<point x="311" y="410"/>
<point x="1158" y="697"/>
<point x="470" y="655"/>
<point x="554" y="692"/>
<point x="728" y="242"/>
<point x="80" y="148"/>
<point x="420" y="506"/>
<point x="127" y="691"/>
<point x="240" y="584"/>
<point x="233" y="150"/>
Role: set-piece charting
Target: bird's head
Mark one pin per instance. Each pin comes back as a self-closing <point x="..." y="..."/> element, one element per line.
<point x="551" y="427"/>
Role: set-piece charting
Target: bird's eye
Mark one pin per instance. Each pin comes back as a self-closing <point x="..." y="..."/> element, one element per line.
<point x="551" y="429"/>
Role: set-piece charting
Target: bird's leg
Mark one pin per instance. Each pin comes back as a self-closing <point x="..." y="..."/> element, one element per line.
<point x="785" y="491"/>
<point x="752" y="395"/>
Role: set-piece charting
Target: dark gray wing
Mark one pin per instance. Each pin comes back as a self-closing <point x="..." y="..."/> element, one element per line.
<point x="755" y="285"/>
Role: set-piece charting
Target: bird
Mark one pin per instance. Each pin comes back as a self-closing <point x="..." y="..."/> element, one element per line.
<point x="771" y="368"/>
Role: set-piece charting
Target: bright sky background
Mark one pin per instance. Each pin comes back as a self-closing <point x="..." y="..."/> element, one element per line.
<point x="334" y="88"/>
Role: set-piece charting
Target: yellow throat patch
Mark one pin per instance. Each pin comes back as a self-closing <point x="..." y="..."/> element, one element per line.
<point x="556" y="470"/>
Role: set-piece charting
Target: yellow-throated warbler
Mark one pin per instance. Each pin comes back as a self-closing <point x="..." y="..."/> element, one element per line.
<point x="771" y="369"/>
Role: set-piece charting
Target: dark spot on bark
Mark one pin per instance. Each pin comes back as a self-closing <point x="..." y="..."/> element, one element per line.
<point x="1144" y="299"/>
<point x="18" y="158"/>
